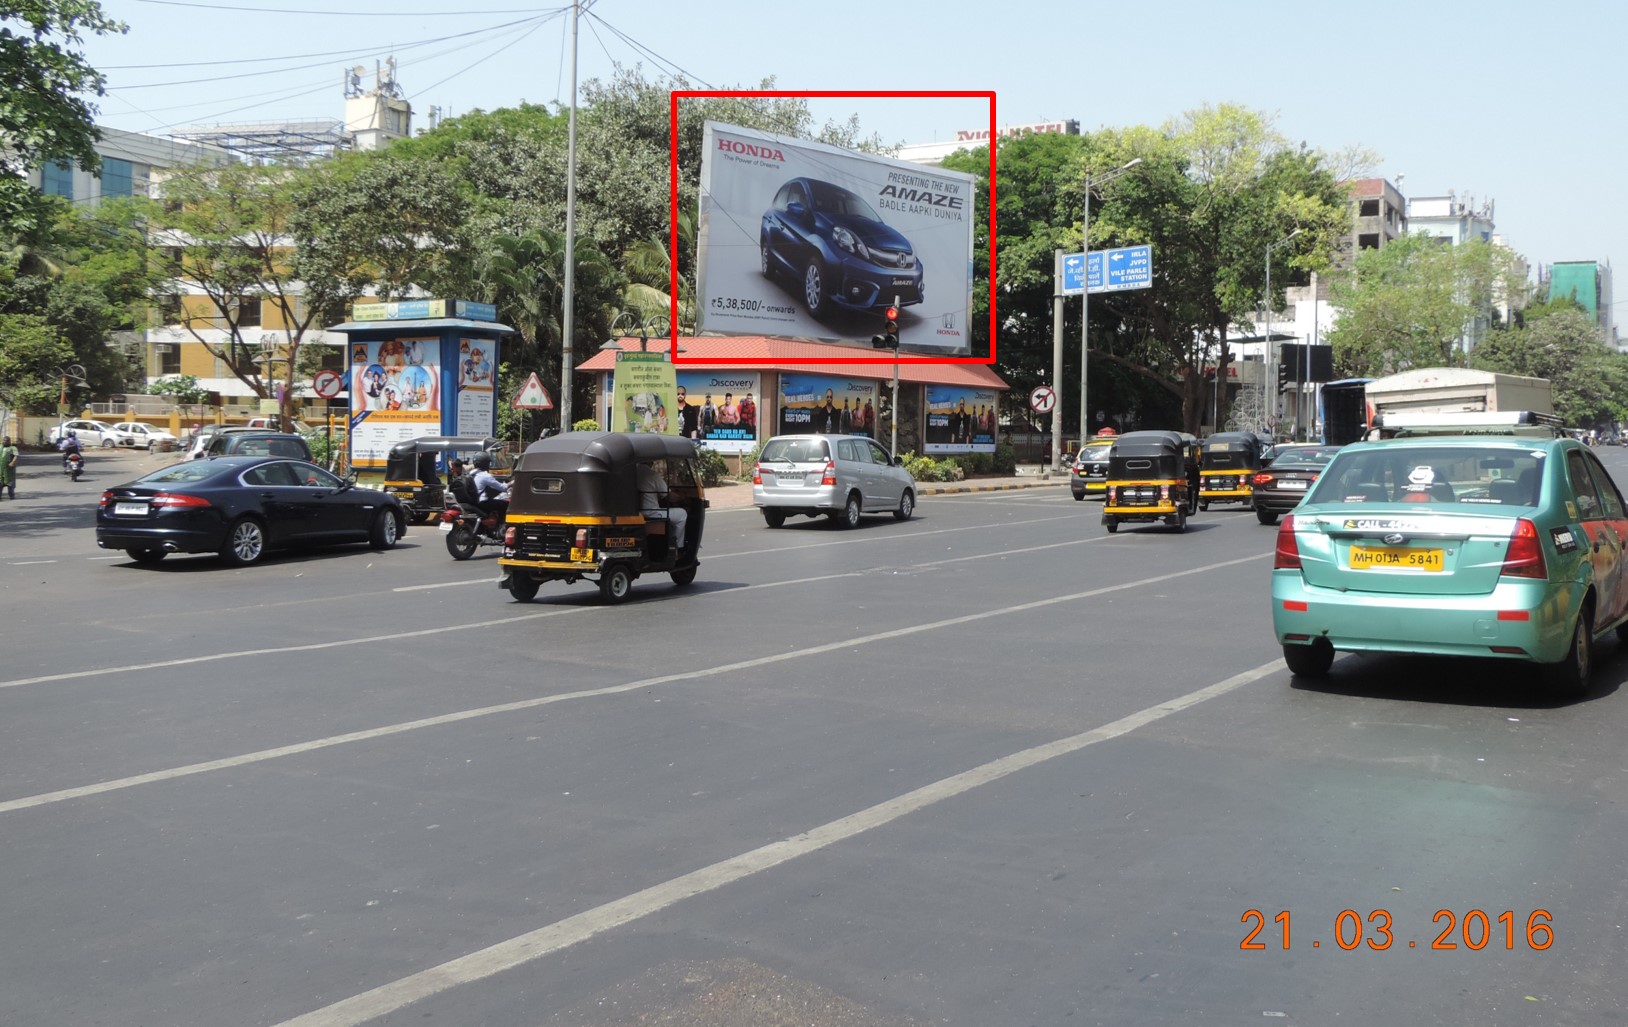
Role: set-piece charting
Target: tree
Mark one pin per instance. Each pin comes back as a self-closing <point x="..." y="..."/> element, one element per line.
<point x="43" y="78"/>
<point x="185" y="390"/>
<point x="1412" y="303"/>
<point x="226" y="259"/>
<point x="1590" y="380"/>
<point x="32" y="355"/>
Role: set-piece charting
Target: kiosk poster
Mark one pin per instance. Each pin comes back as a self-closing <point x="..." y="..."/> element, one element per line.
<point x="645" y="395"/>
<point x="395" y="395"/>
<point x="960" y="420"/>
<point x="477" y="410"/>
<point x="719" y="408"/>
<point x="833" y="406"/>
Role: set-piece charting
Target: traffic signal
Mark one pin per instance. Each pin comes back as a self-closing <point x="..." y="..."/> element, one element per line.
<point x="889" y="339"/>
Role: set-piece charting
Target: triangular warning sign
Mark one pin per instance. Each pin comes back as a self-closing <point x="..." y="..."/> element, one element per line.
<point x="533" y="396"/>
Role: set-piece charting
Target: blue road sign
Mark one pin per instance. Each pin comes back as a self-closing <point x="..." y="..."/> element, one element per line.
<point x="1130" y="267"/>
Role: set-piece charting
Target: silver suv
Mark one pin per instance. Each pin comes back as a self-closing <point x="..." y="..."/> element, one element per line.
<point x="840" y="476"/>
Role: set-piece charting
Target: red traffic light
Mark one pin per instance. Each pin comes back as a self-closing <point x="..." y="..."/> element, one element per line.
<point x="892" y="313"/>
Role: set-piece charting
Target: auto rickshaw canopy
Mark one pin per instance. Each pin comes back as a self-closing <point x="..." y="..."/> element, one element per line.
<point x="1234" y="451"/>
<point x="595" y="473"/>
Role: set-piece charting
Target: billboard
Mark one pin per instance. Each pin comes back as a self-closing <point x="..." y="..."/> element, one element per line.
<point x="960" y="420"/>
<point x="719" y="409"/>
<point x="829" y="405"/>
<point x="804" y="240"/>
<point x="395" y="395"/>
<point x="645" y="394"/>
<point x="477" y="413"/>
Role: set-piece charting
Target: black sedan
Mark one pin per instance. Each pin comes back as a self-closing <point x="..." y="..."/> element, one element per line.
<point x="239" y="507"/>
<point x="1281" y="486"/>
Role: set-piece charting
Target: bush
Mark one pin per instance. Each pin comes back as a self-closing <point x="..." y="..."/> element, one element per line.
<point x="925" y="468"/>
<point x="586" y="424"/>
<point x="714" y="468"/>
<point x="1005" y="461"/>
<point x="748" y="461"/>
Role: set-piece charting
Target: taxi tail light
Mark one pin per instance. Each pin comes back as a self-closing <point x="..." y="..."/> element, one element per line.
<point x="757" y="473"/>
<point x="1525" y="556"/>
<point x="830" y="476"/>
<point x="1287" y="557"/>
<point x="509" y="536"/>
<point x="582" y="538"/>
<point x="178" y="501"/>
<point x="1263" y="479"/>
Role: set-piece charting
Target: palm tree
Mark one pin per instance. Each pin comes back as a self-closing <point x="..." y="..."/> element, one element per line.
<point x="649" y="266"/>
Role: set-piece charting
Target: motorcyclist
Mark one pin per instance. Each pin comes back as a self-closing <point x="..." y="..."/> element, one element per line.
<point x="491" y="494"/>
<point x="69" y="446"/>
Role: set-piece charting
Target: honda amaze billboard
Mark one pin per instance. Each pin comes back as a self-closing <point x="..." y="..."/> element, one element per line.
<point x="804" y="240"/>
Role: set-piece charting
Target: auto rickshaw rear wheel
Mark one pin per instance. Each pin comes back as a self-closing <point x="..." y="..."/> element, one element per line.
<point x="1112" y="524"/>
<point x="1203" y="504"/>
<point x="1178" y="520"/>
<point x="685" y="575"/>
<point x="615" y="582"/>
<point x="523" y="589"/>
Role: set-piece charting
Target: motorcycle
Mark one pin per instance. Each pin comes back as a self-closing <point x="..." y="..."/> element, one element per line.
<point x="73" y="465"/>
<point x="468" y="528"/>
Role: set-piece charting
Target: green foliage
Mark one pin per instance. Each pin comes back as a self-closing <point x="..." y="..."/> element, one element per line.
<point x="43" y="113"/>
<point x="714" y="468"/>
<point x="925" y="468"/>
<point x="1005" y="461"/>
<point x="586" y="424"/>
<point x="1590" y="380"/>
<point x="32" y="352"/>
<point x="974" y="464"/>
<point x="184" y="387"/>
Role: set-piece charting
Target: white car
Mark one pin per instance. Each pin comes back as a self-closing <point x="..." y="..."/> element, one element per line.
<point x="840" y="476"/>
<point x="89" y="433"/>
<point x="142" y="436"/>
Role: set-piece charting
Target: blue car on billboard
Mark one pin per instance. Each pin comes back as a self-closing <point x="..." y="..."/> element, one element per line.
<point x="838" y="249"/>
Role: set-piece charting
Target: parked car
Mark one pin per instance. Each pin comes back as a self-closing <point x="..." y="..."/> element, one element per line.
<point x="255" y="442"/>
<point x="137" y="435"/>
<point x="91" y="434"/>
<point x="838" y="249"/>
<point x="840" y="476"/>
<point x="1281" y="486"/>
<point x="240" y="507"/>
<point x="1495" y="547"/>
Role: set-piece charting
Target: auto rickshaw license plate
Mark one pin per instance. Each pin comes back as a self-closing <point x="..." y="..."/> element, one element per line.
<point x="1364" y="558"/>
<point x="581" y="555"/>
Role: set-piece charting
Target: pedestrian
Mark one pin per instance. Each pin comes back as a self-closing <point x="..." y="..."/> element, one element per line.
<point x="8" y="467"/>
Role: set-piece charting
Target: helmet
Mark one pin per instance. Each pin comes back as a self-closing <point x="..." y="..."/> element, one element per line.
<point x="483" y="462"/>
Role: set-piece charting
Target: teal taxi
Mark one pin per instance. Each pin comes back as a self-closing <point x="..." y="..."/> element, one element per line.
<point x="1482" y="546"/>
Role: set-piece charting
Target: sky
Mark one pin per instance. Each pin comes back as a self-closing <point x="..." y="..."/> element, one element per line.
<point x="1516" y="103"/>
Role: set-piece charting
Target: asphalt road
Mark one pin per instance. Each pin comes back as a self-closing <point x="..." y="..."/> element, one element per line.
<point x="991" y="766"/>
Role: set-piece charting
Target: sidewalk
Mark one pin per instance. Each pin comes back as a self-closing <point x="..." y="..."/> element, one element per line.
<point x="733" y="495"/>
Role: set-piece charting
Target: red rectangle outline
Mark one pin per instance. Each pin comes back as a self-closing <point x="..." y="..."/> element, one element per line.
<point x="673" y="98"/>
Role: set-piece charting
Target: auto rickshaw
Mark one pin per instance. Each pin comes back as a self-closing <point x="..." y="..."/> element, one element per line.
<point x="1150" y="479"/>
<point x="410" y="473"/>
<point x="1230" y="460"/>
<point x="576" y="511"/>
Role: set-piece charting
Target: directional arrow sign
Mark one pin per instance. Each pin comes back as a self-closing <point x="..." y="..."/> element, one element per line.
<point x="1130" y="267"/>
<point x="533" y="396"/>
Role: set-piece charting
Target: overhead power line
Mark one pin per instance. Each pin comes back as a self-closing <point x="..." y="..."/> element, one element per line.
<point x="355" y="14"/>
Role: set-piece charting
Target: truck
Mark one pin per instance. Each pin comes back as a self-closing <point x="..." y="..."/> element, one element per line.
<point x="1352" y="407"/>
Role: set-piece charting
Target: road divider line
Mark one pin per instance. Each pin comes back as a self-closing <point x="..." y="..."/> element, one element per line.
<point x="573" y="930"/>
<point x="297" y="748"/>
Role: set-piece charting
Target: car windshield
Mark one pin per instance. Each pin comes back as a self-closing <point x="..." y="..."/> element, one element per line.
<point x="796" y="451"/>
<point x="1485" y="476"/>
<point x="829" y="199"/>
<point x="1095" y="454"/>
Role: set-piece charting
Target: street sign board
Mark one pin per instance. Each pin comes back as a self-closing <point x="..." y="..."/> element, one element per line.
<point x="533" y="396"/>
<point x="327" y="384"/>
<point x="1043" y="400"/>
<point x="1129" y="267"/>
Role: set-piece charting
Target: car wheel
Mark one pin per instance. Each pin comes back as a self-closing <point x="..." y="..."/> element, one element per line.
<point x="907" y="506"/>
<point x="1568" y="679"/>
<point x="461" y="542"/>
<point x="523" y="589"/>
<point x="1111" y="523"/>
<point x="385" y="531"/>
<point x="245" y="542"/>
<point x="152" y="446"/>
<point x="849" y="515"/>
<point x="107" y="443"/>
<point x="685" y="575"/>
<point x="147" y="557"/>
<point x="773" y="518"/>
<point x="1265" y="516"/>
<point x="1309" y="661"/>
<point x="814" y="287"/>
<point x="615" y="583"/>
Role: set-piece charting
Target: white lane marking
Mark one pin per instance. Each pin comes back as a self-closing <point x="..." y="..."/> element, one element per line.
<point x="891" y="537"/>
<point x="263" y="755"/>
<point x="31" y="563"/>
<point x="524" y="948"/>
<point x="93" y="559"/>
<point x="444" y="584"/>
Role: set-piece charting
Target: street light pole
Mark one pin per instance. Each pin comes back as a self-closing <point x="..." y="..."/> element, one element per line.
<point x="1085" y="293"/>
<point x="567" y="293"/>
<point x="1269" y="351"/>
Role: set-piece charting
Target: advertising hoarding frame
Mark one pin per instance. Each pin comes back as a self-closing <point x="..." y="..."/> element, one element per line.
<point x="848" y="357"/>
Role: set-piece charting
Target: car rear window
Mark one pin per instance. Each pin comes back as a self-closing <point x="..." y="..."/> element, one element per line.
<point x="1489" y="477"/>
<point x="796" y="451"/>
<point x="180" y="474"/>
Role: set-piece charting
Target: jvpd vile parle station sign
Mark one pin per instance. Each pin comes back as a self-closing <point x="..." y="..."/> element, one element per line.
<point x="1130" y="267"/>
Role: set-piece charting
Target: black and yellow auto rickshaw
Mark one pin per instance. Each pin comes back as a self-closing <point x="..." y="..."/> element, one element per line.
<point x="1150" y="478"/>
<point x="1230" y="460"/>
<point x="577" y="511"/>
<point x="410" y="470"/>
